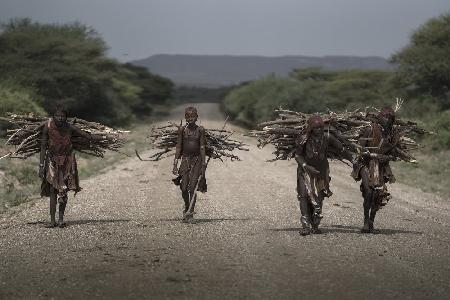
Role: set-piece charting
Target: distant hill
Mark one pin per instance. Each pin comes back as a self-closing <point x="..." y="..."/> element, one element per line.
<point x="219" y="70"/>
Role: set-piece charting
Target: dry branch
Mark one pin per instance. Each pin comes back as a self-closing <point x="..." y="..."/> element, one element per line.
<point x="289" y="126"/>
<point x="218" y="142"/>
<point x="28" y="129"/>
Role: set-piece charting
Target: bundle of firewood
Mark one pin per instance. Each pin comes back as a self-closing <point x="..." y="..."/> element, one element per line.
<point x="408" y="131"/>
<point x="218" y="142"/>
<point x="289" y="127"/>
<point x="28" y="128"/>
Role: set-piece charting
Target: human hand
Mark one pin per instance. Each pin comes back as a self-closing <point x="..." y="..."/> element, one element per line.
<point x="203" y="169"/>
<point x="41" y="171"/>
<point x="311" y="170"/>
<point x="175" y="170"/>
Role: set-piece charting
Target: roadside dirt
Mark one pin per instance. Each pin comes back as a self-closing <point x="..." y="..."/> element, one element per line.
<point x="124" y="238"/>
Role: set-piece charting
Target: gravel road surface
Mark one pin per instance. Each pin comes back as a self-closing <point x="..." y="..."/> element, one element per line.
<point x="124" y="238"/>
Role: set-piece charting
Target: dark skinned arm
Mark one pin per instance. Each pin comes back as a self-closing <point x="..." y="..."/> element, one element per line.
<point x="339" y="148"/>
<point x="178" y="150"/>
<point x="203" y="147"/>
<point x="301" y="160"/>
<point x="44" y="145"/>
<point x="78" y="132"/>
<point x="362" y="141"/>
<point x="363" y="137"/>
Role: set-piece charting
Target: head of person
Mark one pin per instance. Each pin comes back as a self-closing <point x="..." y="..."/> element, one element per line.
<point x="386" y="117"/>
<point x="60" y="115"/>
<point x="191" y="115"/>
<point x="315" y="126"/>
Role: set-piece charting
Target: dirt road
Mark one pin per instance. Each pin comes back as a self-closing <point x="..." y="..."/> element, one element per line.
<point x="124" y="239"/>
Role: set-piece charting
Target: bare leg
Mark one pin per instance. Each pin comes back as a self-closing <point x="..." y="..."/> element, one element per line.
<point x="373" y="212"/>
<point x="367" y="195"/>
<point x="53" y="199"/>
<point x="185" y="195"/>
<point x="194" y="200"/>
<point x="62" y="208"/>
<point x="317" y="215"/>
<point x="305" y="218"/>
<point x="305" y="206"/>
<point x="190" y="212"/>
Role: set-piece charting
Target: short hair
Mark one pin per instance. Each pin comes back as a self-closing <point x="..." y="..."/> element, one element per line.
<point x="190" y="109"/>
<point x="60" y="108"/>
<point x="386" y="111"/>
<point x="315" y="121"/>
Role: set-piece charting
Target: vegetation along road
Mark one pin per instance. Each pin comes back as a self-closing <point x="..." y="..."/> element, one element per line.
<point x="124" y="238"/>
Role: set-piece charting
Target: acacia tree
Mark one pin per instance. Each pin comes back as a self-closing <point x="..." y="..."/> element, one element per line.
<point x="424" y="65"/>
<point x="68" y="63"/>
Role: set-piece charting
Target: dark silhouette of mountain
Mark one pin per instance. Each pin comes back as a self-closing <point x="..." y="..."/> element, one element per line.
<point x="219" y="70"/>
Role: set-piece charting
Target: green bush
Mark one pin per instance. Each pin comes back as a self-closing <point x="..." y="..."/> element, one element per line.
<point x="67" y="63"/>
<point x="442" y="127"/>
<point x="309" y="90"/>
<point x="18" y="100"/>
<point x="424" y="65"/>
<point x="256" y="101"/>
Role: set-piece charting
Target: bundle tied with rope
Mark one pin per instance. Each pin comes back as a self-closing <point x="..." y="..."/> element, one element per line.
<point x="219" y="145"/>
<point x="26" y="136"/>
<point x="289" y="127"/>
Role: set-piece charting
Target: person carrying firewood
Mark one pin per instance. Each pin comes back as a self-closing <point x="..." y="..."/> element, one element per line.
<point x="314" y="147"/>
<point x="191" y="150"/>
<point x="58" y="166"/>
<point x="380" y="141"/>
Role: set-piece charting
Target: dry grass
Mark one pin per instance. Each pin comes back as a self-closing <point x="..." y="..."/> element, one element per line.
<point x="19" y="181"/>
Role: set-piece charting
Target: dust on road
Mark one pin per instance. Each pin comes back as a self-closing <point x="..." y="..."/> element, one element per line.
<point x="124" y="238"/>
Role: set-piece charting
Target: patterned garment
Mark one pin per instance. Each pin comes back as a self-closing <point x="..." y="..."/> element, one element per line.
<point x="61" y="171"/>
<point x="191" y="144"/>
<point x="190" y="170"/>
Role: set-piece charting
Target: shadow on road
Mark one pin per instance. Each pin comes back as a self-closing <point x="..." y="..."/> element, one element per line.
<point x="83" y="222"/>
<point x="212" y="220"/>
<point x="353" y="229"/>
<point x="349" y="229"/>
<point x="218" y="220"/>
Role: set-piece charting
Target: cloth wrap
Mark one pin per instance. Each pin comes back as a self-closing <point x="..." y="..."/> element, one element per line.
<point x="188" y="150"/>
<point x="61" y="171"/>
<point x="379" y="172"/>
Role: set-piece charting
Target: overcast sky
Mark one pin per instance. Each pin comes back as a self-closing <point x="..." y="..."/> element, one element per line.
<point x="139" y="28"/>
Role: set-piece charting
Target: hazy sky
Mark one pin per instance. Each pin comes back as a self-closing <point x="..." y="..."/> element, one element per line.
<point x="139" y="28"/>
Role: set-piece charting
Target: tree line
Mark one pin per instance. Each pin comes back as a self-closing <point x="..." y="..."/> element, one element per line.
<point x="45" y="64"/>
<point x="421" y="76"/>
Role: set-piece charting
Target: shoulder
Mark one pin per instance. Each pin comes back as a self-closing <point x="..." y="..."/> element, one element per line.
<point x="375" y="127"/>
<point x="45" y="126"/>
<point x="72" y="127"/>
<point x="367" y="130"/>
<point x="330" y="137"/>
<point x="201" y="129"/>
<point x="300" y="143"/>
<point x="48" y="125"/>
<point x="75" y="130"/>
